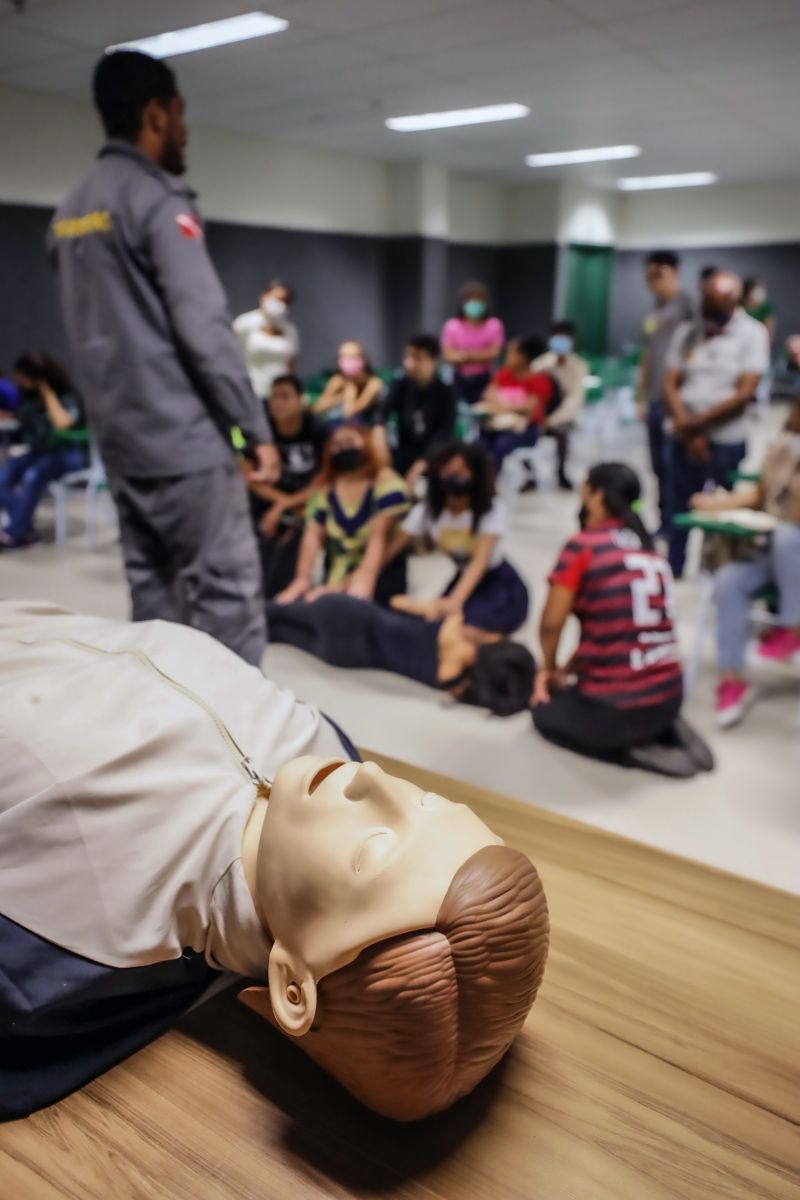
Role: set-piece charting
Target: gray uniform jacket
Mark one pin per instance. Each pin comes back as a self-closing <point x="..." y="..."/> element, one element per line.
<point x="159" y="366"/>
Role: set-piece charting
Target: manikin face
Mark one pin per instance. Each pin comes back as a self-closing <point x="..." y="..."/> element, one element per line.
<point x="348" y="857"/>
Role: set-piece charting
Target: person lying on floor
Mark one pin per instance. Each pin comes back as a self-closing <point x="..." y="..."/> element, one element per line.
<point x="777" y="565"/>
<point x="350" y="517"/>
<point x="462" y="516"/>
<point x="626" y="697"/>
<point x="190" y="818"/>
<point x="475" y="667"/>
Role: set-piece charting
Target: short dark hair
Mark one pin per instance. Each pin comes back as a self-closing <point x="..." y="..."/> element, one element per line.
<point x="124" y="82"/>
<point x="43" y="368"/>
<point x="563" y="327"/>
<point x="428" y="343"/>
<point x="531" y="346"/>
<point x="663" y="258"/>
<point x="707" y="272"/>
<point x="292" y="381"/>
<point x="279" y="283"/>
<point x="501" y="678"/>
<point x="480" y="465"/>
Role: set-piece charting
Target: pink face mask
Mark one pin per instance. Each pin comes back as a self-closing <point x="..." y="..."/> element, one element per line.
<point x="351" y="364"/>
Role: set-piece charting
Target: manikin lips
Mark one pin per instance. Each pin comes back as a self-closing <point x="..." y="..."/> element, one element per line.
<point x="322" y="774"/>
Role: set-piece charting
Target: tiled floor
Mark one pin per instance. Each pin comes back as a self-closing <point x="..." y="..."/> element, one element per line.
<point x="745" y="817"/>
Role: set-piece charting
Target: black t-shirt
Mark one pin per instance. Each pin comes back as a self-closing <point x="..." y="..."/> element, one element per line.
<point x="301" y="454"/>
<point x="425" y="417"/>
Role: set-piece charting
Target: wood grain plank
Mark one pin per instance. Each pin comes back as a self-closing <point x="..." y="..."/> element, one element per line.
<point x="660" y="1062"/>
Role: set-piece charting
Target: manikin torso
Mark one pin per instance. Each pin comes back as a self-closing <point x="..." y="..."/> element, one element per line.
<point x="122" y="805"/>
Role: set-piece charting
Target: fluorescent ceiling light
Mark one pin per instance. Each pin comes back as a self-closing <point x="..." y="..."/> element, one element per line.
<point x="459" y="116"/>
<point x="643" y="183"/>
<point x="203" y="37"/>
<point x="594" y="154"/>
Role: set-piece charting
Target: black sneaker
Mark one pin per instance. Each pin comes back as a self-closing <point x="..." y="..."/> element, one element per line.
<point x="530" y="485"/>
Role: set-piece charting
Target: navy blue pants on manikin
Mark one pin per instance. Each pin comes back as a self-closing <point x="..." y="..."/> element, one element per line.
<point x="65" y="1019"/>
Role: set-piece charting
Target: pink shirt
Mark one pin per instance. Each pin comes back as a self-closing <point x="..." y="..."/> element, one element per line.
<point x="459" y="334"/>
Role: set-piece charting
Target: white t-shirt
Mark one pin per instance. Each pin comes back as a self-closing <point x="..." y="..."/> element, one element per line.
<point x="267" y="355"/>
<point x="711" y="369"/>
<point x="453" y="534"/>
<point x="122" y="805"/>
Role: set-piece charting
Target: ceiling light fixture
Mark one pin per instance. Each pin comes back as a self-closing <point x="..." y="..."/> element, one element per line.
<point x="644" y="183"/>
<point x="203" y="37"/>
<point x="458" y="116"/>
<point x="593" y="154"/>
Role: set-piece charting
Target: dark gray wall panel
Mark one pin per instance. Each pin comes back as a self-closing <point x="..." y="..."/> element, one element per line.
<point x="526" y="284"/>
<point x="29" y="312"/>
<point x="779" y="265"/>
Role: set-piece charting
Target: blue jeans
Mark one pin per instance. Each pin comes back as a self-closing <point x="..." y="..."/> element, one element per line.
<point x="739" y="582"/>
<point x="500" y="445"/>
<point x="658" y="439"/>
<point x="24" y="478"/>
<point x="686" y="478"/>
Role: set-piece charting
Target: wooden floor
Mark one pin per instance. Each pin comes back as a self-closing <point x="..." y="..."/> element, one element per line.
<point x="661" y="1060"/>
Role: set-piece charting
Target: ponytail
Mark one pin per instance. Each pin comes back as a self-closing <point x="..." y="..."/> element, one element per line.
<point x="621" y="490"/>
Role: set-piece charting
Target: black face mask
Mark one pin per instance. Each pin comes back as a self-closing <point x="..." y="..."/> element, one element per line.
<point x="715" y="316"/>
<point x="454" y="485"/>
<point x="349" y="459"/>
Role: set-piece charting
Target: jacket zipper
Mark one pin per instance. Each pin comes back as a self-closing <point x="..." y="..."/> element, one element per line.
<point x="262" y="785"/>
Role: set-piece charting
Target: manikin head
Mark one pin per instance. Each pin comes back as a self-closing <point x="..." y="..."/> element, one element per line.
<point x="408" y="942"/>
<point x="138" y="101"/>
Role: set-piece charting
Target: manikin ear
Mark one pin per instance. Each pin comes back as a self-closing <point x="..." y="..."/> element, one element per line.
<point x="292" y="991"/>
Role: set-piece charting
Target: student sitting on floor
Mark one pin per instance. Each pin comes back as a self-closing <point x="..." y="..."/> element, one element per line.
<point x="778" y="493"/>
<point x="278" y="508"/>
<point x="48" y="407"/>
<point x="354" y="392"/>
<point x="462" y="517"/>
<point x="473" y="666"/>
<point x="351" y="514"/>
<point x="420" y="408"/>
<point x="627" y="695"/>
<point x="517" y="401"/>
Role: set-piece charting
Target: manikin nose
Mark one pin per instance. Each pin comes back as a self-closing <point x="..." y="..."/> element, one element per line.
<point x="371" y="783"/>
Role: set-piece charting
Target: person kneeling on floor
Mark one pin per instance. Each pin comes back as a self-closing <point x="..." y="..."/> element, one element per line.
<point x="776" y="565"/>
<point x="625" y="702"/>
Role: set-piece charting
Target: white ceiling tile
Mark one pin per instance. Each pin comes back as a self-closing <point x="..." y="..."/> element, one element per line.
<point x="714" y="20"/>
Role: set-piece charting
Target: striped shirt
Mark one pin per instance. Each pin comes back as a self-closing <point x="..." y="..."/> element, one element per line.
<point x="627" y="655"/>
<point x="347" y="529"/>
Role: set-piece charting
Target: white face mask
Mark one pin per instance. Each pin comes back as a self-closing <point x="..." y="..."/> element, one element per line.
<point x="272" y="306"/>
<point x="758" y="295"/>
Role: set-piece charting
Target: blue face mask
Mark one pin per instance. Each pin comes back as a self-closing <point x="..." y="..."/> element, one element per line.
<point x="561" y="343"/>
<point x="474" y="309"/>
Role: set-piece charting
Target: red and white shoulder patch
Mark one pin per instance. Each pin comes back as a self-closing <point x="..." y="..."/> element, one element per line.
<point x="189" y="226"/>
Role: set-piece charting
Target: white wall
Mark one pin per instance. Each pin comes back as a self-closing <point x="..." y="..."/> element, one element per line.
<point x="529" y="212"/>
<point x="46" y="142"/>
<point x="720" y="215"/>
<point x="587" y="215"/>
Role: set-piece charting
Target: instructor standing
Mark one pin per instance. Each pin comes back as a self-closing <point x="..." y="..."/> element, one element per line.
<point x="160" y="369"/>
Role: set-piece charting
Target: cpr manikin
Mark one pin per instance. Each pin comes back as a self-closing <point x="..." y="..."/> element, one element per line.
<point x="400" y="942"/>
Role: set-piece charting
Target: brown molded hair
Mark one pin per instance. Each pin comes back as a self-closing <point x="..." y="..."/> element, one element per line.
<point x="418" y="1020"/>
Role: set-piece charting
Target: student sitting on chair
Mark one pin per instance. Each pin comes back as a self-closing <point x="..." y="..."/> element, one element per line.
<point x="570" y="370"/>
<point x="462" y="517"/>
<point x="517" y="401"/>
<point x="473" y="666"/>
<point x="778" y="493"/>
<point x="351" y="515"/>
<point x="420" y="408"/>
<point x="354" y="392"/>
<point x="625" y="701"/>
<point x="278" y="508"/>
<point x="48" y="407"/>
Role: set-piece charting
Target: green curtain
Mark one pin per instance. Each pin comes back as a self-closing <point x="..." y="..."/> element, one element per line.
<point x="587" y="294"/>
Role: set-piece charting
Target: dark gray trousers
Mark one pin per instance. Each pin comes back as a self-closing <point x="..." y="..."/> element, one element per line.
<point x="191" y="556"/>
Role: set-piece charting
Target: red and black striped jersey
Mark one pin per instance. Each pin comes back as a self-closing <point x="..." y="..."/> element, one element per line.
<point x="628" y="655"/>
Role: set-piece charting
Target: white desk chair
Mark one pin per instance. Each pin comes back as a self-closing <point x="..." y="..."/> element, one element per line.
<point x="93" y="481"/>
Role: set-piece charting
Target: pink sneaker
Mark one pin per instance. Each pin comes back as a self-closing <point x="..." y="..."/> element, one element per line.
<point x="781" y="646"/>
<point x="734" y="697"/>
